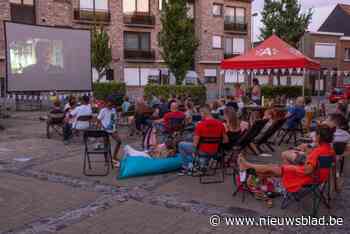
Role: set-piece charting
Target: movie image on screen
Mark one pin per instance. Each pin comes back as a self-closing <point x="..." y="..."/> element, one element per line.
<point x="47" y="58"/>
<point x="36" y="56"/>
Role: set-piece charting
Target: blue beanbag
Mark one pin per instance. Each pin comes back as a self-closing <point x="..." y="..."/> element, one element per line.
<point x="140" y="166"/>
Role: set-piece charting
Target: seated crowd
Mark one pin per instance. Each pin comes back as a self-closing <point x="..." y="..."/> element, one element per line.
<point x="224" y="120"/>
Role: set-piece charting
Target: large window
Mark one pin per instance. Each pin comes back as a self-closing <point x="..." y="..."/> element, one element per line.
<point x="230" y="15"/>
<point x="98" y="5"/>
<point x="131" y="6"/>
<point x="137" y="41"/>
<point x="325" y="50"/>
<point x="93" y="10"/>
<point x="235" y="15"/>
<point x="347" y="54"/>
<point x="234" y="46"/>
<point x="23" y="11"/>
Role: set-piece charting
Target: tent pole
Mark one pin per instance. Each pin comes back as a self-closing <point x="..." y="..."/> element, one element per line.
<point x="304" y="84"/>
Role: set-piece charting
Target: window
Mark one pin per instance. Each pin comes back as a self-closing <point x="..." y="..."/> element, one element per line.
<point x="210" y="76"/>
<point x="347" y="54"/>
<point x="234" y="46"/>
<point x="240" y="15"/>
<point x="23" y="11"/>
<point x="217" y="9"/>
<point x="235" y="15"/>
<point x="325" y="50"/>
<point x="139" y="76"/>
<point x="131" y="6"/>
<point x="190" y="10"/>
<point x="137" y="41"/>
<point x="216" y="42"/>
<point x="161" y="3"/>
<point x="92" y="5"/>
<point x="230" y="15"/>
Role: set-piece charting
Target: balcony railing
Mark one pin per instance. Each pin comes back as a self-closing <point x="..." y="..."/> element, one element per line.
<point x="139" y="54"/>
<point x="90" y="15"/>
<point x="228" y="55"/>
<point x="136" y="19"/>
<point x="235" y="27"/>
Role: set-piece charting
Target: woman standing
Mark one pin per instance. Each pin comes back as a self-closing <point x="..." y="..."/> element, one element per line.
<point x="256" y="92"/>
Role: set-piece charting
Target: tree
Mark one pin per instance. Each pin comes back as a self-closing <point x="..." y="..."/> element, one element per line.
<point x="285" y="19"/>
<point x="177" y="38"/>
<point x="101" y="51"/>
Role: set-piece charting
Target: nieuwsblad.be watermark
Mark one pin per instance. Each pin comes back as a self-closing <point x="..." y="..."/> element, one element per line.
<point x="217" y="220"/>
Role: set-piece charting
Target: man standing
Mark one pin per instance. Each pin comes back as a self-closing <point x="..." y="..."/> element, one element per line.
<point x="208" y="128"/>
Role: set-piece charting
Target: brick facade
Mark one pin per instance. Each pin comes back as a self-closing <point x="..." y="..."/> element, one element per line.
<point x="61" y="13"/>
<point x="338" y="63"/>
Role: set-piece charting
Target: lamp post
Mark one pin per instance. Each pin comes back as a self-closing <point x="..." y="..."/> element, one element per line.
<point x="252" y="29"/>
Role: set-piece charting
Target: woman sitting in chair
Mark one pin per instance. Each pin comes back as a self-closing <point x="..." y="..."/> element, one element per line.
<point x="294" y="177"/>
<point x="233" y="126"/>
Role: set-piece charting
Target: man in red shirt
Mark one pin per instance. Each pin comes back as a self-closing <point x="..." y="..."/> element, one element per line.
<point x="173" y="114"/>
<point x="208" y="127"/>
<point x="294" y="177"/>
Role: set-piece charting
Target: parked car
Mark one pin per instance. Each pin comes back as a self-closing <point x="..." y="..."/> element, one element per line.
<point x="338" y="94"/>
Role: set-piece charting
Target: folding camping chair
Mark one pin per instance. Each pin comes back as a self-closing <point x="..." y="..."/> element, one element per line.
<point x="218" y="157"/>
<point x="317" y="188"/>
<point x="55" y="121"/>
<point x="105" y="150"/>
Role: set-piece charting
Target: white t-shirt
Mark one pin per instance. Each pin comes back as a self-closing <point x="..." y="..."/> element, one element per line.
<point x="108" y="118"/>
<point x="82" y="110"/>
<point x="341" y="136"/>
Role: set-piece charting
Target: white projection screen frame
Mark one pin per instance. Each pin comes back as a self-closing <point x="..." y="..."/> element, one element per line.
<point x="44" y="58"/>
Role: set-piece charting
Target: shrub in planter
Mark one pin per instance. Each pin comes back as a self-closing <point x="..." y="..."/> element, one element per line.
<point x="104" y="90"/>
<point x="197" y="93"/>
<point x="288" y="91"/>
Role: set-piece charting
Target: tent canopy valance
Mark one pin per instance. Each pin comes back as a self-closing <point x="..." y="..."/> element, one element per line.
<point x="273" y="53"/>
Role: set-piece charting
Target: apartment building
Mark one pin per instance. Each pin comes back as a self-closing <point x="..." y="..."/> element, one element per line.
<point x="222" y="26"/>
<point x="330" y="45"/>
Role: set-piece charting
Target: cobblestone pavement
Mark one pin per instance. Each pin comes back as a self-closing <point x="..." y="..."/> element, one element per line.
<point x="43" y="190"/>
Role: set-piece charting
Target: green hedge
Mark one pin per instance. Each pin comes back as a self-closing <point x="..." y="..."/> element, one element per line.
<point x="289" y="91"/>
<point x="197" y="93"/>
<point x="103" y="90"/>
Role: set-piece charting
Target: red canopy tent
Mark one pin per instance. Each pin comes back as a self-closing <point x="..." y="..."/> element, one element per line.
<point x="273" y="53"/>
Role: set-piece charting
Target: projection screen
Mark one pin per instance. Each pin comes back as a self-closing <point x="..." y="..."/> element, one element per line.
<point x="40" y="58"/>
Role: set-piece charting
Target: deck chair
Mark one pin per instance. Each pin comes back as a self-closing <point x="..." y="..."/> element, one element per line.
<point x="248" y="138"/>
<point x="320" y="190"/>
<point x="264" y="140"/>
<point x="218" y="157"/>
<point x="292" y="132"/>
<point x="55" y="121"/>
<point x="104" y="151"/>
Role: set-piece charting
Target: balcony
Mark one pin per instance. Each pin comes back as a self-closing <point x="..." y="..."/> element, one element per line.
<point x="90" y="16"/>
<point x="235" y="27"/>
<point x="139" y="19"/>
<point x="226" y="55"/>
<point x="139" y="54"/>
